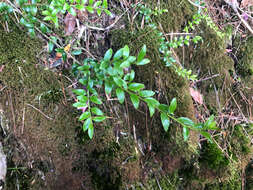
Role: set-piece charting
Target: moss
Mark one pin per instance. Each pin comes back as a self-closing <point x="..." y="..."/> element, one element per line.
<point x="245" y="64"/>
<point x="213" y="157"/>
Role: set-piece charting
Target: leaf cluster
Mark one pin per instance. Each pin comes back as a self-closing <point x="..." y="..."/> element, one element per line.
<point x="115" y="76"/>
<point x="31" y="10"/>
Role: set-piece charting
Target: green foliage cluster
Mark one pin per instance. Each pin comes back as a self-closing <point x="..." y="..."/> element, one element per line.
<point x="61" y="6"/>
<point x="5" y="10"/>
<point x="31" y="11"/>
<point x="167" y="46"/>
<point x="115" y="75"/>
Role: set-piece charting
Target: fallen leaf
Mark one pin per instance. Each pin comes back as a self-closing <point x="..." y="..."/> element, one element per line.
<point x="197" y="97"/>
<point x="70" y="24"/>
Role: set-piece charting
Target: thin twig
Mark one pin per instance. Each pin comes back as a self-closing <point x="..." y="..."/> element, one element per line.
<point x="40" y="111"/>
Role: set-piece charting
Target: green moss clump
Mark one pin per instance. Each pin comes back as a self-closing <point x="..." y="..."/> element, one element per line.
<point x="245" y="64"/>
<point x="212" y="157"/>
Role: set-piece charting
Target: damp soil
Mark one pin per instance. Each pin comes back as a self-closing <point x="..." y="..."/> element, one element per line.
<point x="45" y="145"/>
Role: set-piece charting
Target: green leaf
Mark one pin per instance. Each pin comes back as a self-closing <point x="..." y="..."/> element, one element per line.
<point x="135" y="100"/>
<point x="186" y="133"/>
<point x="79" y="104"/>
<point x="89" y="9"/>
<point x="84" y="115"/>
<point x="79" y="7"/>
<point x="91" y="131"/>
<point x="108" y="55"/>
<point x="108" y="12"/>
<point x="86" y="124"/>
<point x="108" y="87"/>
<point x="43" y="28"/>
<point x="136" y="86"/>
<point x="118" y="54"/>
<point x="164" y="108"/>
<point x="72" y="11"/>
<point x="82" y="98"/>
<point x="210" y="123"/>
<point x="131" y="59"/>
<point x="146" y="93"/>
<point x="99" y="118"/>
<point x="34" y="10"/>
<point x="142" y="54"/>
<point x="119" y="82"/>
<point x="83" y="68"/>
<point x="126" y="51"/>
<point x="151" y="109"/>
<point x="132" y="75"/>
<point x="50" y="46"/>
<point x="165" y="121"/>
<point x="125" y="64"/>
<point x="76" y="52"/>
<point x="143" y="62"/>
<point x="173" y="106"/>
<point x="99" y="11"/>
<point x="95" y="100"/>
<point x="152" y="101"/>
<point x="207" y="136"/>
<point x="96" y="111"/>
<point x="186" y="121"/>
<point x="120" y="95"/>
<point x="79" y="92"/>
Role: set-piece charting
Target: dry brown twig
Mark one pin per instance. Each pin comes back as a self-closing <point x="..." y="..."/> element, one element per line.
<point x="235" y="6"/>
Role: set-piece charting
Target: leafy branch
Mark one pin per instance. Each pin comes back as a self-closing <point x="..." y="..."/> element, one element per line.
<point x="114" y="74"/>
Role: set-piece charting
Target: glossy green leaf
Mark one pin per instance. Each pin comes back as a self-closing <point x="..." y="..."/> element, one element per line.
<point x="142" y="53"/>
<point x="96" y="111"/>
<point x="136" y="86"/>
<point x="108" y="55"/>
<point x="84" y="116"/>
<point x="164" y="108"/>
<point x="146" y="93"/>
<point x="95" y="100"/>
<point x="118" y="54"/>
<point x="82" y="98"/>
<point x="186" y="121"/>
<point x="99" y="118"/>
<point x="186" y="133"/>
<point x="207" y="136"/>
<point x="152" y="101"/>
<point x="125" y="64"/>
<point x="151" y="109"/>
<point x="119" y="82"/>
<point x="91" y="131"/>
<point x="89" y="9"/>
<point x="79" y="91"/>
<point x="135" y="100"/>
<point x="108" y="12"/>
<point x="143" y="62"/>
<point x="165" y="121"/>
<point x="126" y="51"/>
<point x="120" y="95"/>
<point x="210" y="123"/>
<point x="87" y="123"/>
<point x="108" y="87"/>
<point x="173" y="106"/>
<point x="131" y="59"/>
<point x="72" y="11"/>
<point x="79" y="104"/>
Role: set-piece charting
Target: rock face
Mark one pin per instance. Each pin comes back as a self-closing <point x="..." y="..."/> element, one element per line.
<point x="3" y="166"/>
